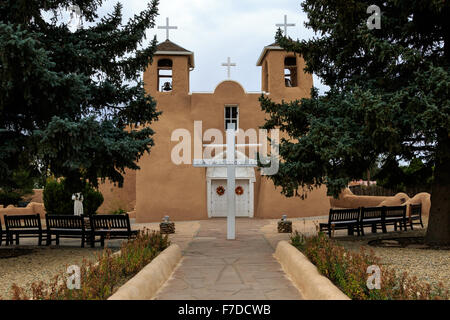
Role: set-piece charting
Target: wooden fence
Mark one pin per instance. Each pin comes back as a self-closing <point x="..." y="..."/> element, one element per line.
<point x="375" y="190"/>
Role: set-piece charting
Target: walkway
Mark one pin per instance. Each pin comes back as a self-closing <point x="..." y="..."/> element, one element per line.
<point x="214" y="268"/>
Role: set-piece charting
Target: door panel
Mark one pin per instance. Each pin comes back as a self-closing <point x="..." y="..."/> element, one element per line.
<point x="219" y="203"/>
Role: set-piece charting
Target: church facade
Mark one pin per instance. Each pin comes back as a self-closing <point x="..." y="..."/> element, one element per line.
<point x="178" y="189"/>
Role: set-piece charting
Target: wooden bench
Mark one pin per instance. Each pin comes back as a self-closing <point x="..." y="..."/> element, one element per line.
<point x="372" y="217"/>
<point x="111" y="226"/>
<point x="65" y="226"/>
<point x="395" y="215"/>
<point x="26" y="226"/>
<point x="342" y="219"/>
<point x="415" y="214"/>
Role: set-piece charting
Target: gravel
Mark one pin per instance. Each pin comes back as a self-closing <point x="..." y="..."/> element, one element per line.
<point x="41" y="265"/>
<point x="428" y="265"/>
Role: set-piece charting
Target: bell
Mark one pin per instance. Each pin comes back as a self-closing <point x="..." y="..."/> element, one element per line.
<point x="167" y="86"/>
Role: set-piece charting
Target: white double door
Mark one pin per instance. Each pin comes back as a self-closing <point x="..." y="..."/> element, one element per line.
<point x="219" y="202"/>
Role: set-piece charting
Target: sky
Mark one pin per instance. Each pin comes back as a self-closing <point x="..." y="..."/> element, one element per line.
<point x="217" y="29"/>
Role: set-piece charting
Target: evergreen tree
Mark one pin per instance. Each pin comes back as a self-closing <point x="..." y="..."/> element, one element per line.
<point x="389" y="97"/>
<point x="73" y="103"/>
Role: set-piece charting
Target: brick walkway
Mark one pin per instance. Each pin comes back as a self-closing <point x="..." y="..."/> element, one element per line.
<point x="214" y="268"/>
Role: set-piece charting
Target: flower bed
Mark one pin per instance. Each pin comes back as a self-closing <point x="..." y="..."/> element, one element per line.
<point x="100" y="280"/>
<point x="348" y="271"/>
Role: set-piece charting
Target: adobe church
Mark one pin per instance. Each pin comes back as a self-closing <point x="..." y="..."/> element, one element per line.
<point x="185" y="192"/>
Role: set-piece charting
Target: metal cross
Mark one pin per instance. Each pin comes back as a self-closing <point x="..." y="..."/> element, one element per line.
<point x="167" y="27"/>
<point x="231" y="163"/>
<point x="229" y="64"/>
<point x="285" y="25"/>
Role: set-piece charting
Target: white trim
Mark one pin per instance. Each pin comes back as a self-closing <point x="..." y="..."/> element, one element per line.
<point x="251" y="199"/>
<point x="230" y="118"/>
<point x="263" y="53"/>
<point x="174" y="53"/>
<point x="208" y="196"/>
<point x="212" y="92"/>
<point x="228" y="80"/>
<point x="177" y="53"/>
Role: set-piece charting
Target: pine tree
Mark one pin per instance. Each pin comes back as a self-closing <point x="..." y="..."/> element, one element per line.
<point x="73" y="103"/>
<point x="389" y="98"/>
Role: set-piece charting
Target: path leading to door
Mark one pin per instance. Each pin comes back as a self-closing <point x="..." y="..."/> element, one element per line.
<point x="214" y="268"/>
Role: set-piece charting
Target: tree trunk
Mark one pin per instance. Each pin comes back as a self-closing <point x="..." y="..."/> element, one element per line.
<point x="438" y="232"/>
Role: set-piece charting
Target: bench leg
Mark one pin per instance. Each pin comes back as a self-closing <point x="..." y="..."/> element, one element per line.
<point x="17" y="239"/>
<point x="92" y="241"/>
<point x="57" y="239"/>
<point x="350" y="230"/>
<point x="40" y="240"/>
<point x="83" y="237"/>
<point x="383" y="227"/>
<point x="102" y="241"/>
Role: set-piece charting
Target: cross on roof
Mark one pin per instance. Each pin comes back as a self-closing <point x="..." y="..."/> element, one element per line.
<point x="167" y="27"/>
<point x="285" y="25"/>
<point x="229" y="64"/>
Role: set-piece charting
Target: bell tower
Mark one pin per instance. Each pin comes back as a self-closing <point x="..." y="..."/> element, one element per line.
<point x="168" y="74"/>
<point x="282" y="73"/>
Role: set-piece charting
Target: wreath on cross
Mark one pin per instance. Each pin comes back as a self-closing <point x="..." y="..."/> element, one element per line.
<point x="239" y="190"/>
<point x="220" y="190"/>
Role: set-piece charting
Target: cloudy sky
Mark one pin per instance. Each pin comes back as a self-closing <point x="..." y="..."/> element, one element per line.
<point x="217" y="29"/>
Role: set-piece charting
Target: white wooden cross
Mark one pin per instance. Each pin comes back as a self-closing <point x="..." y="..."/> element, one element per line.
<point x="167" y="27"/>
<point x="285" y="25"/>
<point x="229" y="64"/>
<point x="231" y="163"/>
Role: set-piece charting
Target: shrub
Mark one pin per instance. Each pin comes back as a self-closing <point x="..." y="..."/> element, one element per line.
<point x="9" y="197"/>
<point x="100" y="281"/>
<point x="58" y="199"/>
<point x="18" y="186"/>
<point x="119" y="211"/>
<point x="347" y="270"/>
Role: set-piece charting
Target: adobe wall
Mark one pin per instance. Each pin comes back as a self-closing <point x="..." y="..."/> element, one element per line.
<point x="163" y="188"/>
<point x="32" y="208"/>
<point x="37" y="196"/>
<point x="180" y="191"/>
<point x="277" y="88"/>
<point x="349" y="200"/>
<point x="116" y="198"/>
<point x="272" y="204"/>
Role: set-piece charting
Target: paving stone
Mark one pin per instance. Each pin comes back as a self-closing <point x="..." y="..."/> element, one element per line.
<point x="214" y="268"/>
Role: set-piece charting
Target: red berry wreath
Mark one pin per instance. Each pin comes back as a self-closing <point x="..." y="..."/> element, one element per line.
<point x="220" y="190"/>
